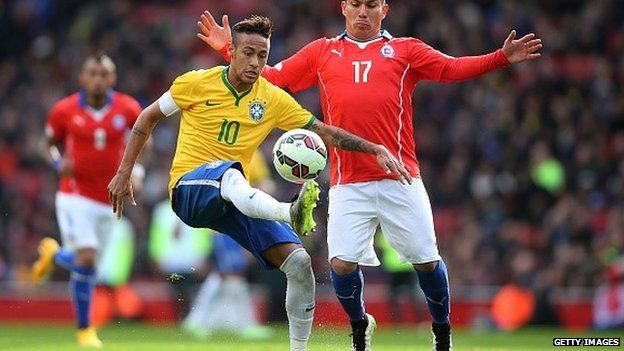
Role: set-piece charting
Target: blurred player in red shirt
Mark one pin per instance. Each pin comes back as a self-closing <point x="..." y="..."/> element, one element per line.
<point x="90" y="128"/>
<point x="366" y="79"/>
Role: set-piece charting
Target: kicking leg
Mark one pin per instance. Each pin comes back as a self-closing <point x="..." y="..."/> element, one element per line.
<point x="294" y="261"/>
<point x="250" y="201"/>
<point x="256" y="203"/>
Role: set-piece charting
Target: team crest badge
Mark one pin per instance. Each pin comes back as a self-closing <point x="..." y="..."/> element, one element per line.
<point x="119" y="122"/>
<point x="256" y="110"/>
<point x="387" y="51"/>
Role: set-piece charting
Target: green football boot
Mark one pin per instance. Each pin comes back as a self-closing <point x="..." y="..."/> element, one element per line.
<point x="302" y="209"/>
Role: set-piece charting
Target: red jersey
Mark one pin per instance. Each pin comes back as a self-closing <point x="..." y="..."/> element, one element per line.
<point x="366" y="88"/>
<point x="93" y="139"/>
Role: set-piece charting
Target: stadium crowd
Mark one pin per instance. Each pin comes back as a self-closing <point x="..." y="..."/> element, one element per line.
<point x="524" y="167"/>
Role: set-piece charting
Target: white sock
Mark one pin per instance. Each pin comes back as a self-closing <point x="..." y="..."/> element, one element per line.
<point x="204" y="304"/>
<point x="299" y="297"/>
<point x="251" y="201"/>
<point x="298" y="345"/>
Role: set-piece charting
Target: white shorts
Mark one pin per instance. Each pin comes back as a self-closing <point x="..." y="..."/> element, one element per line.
<point x="403" y="211"/>
<point x="84" y="223"/>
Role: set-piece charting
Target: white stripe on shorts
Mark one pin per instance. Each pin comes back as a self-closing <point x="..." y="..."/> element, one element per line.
<point x="200" y="182"/>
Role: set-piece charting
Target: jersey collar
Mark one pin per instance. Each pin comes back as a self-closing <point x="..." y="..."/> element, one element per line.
<point x="82" y="98"/>
<point x="227" y="84"/>
<point x="383" y="34"/>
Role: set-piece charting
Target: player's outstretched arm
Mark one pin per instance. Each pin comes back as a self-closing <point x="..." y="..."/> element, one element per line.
<point x="120" y="187"/>
<point x="434" y="65"/>
<point x="340" y="138"/>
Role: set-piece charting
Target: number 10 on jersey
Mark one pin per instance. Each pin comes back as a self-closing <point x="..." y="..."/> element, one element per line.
<point x="361" y="69"/>
<point x="229" y="132"/>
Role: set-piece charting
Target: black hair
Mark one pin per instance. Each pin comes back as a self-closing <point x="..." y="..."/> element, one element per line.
<point x="254" y="25"/>
<point x="102" y="59"/>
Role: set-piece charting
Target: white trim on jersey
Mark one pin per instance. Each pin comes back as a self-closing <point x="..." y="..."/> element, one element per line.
<point x="167" y="105"/>
<point x="363" y="44"/>
<point x="330" y="123"/>
<point x="401" y="112"/>
<point x="97" y="115"/>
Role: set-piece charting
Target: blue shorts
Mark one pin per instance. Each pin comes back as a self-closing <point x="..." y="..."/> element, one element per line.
<point x="227" y="256"/>
<point x="197" y="200"/>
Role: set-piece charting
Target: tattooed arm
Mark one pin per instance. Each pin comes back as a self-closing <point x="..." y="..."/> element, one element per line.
<point x="120" y="186"/>
<point x="340" y="138"/>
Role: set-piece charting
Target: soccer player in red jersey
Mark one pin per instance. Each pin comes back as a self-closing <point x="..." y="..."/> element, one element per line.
<point x="366" y="79"/>
<point x="90" y="127"/>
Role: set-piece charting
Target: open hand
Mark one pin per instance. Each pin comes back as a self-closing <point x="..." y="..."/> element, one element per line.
<point x="523" y="49"/>
<point x="212" y="33"/>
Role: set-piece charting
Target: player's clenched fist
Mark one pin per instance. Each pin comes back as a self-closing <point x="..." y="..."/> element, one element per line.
<point x="119" y="188"/>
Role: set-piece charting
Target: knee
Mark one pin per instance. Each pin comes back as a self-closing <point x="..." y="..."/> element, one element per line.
<point x="341" y="267"/>
<point x="231" y="181"/>
<point x="86" y="258"/>
<point x="299" y="267"/>
<point x="426" y="267"/>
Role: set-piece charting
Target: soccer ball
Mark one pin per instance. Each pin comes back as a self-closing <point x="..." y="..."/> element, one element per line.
<point x="299" y="155"/>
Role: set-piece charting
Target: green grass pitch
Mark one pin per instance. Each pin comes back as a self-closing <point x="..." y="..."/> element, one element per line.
<point x="138" y="337"/>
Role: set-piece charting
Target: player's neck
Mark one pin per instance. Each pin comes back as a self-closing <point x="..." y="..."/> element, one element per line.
<point x="96" y="102"/>
<point x="365" y="38"/>
<point x="236" y="83"/>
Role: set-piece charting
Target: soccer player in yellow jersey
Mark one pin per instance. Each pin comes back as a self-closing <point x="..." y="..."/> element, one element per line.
<point x="226" y="112"/>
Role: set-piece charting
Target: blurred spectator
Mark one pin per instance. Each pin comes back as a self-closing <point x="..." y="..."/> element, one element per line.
<point x="180" y="253"/>
<point x="114" y="298"/>
<point x="403" y="287"/>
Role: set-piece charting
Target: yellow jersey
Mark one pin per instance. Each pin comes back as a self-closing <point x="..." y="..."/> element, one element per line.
<point x="220" y="124"/>
<point x="258" y="168"/>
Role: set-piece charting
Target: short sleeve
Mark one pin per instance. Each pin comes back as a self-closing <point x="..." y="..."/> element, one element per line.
<point x="182" y="89"/>
<point x="56" y="126"/>
<point x="427" y="62"/>
<point x="289" y="113"/>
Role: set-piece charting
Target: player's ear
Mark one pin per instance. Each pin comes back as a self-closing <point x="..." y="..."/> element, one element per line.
<point x="230" y="48"/>
<point x="384" y="9"/>
<point x="343" y="5"/>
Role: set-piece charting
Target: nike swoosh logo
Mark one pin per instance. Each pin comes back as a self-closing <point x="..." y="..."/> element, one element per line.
<point x="252" y="195"/>
<point x="309" y="308"/>
<point x="441" y="302"/>
<point x="209" y="104"/>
